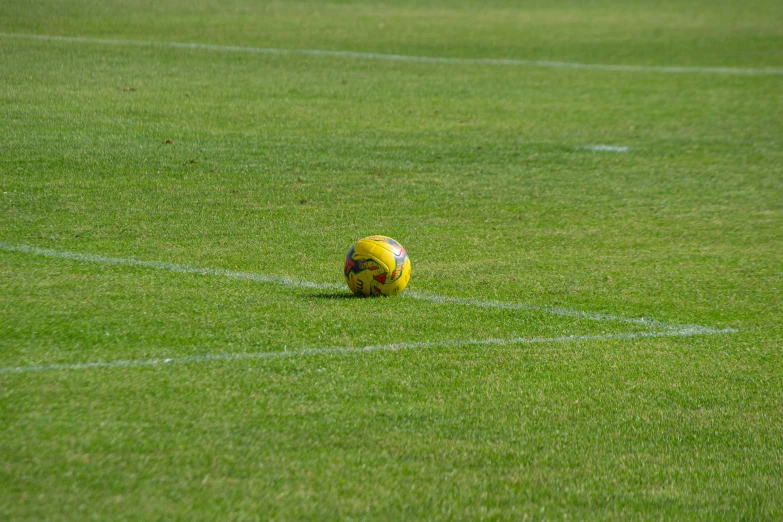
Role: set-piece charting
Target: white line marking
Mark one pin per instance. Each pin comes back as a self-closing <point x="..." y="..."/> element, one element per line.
<point x="291" y="282"/>
<point x="171" y="267"/>
<point x="130" y="363"/>
<point x="666" y="329"/>
<point x="606" y="148"/>
<point x="554" y="310"/>
<point x="776" y="71"/>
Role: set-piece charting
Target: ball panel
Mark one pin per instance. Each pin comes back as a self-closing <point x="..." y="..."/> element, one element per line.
<point x="369" y="250"/>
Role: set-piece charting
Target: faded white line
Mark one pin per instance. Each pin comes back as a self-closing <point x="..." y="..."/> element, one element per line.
<point x="406" y="58"/>
<point x="554" y="310"/>
<point x="216" y="357"/>
<point x="606" y="148"/>
<point x="298" y="283"/>
<point x="171" y="267"/>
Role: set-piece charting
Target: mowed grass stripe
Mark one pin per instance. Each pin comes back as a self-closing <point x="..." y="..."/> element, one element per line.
<point x="674" y="329"/>
<point x="775" y="71"/>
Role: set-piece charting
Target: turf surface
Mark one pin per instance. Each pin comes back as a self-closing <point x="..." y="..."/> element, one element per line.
<point x="273" y="164"/>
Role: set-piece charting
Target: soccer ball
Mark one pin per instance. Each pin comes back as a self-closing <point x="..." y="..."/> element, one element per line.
<point x="377" y="265"/>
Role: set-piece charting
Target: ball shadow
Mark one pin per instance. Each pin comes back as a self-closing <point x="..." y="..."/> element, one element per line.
<point x="335" y="295"/>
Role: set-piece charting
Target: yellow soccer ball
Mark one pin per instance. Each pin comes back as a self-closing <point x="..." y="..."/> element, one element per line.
<point x="377" y="265"/>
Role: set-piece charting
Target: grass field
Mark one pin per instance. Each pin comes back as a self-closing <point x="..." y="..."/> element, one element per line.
<point x="594" y="325"/>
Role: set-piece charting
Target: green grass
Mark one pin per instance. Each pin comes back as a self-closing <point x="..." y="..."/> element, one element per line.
<point x="280" y="162"/>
